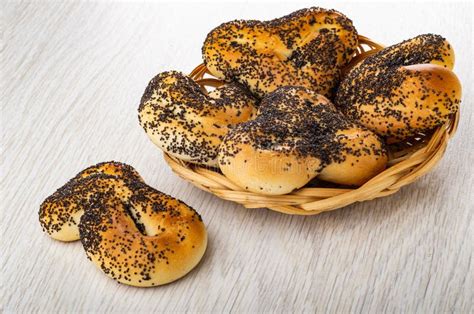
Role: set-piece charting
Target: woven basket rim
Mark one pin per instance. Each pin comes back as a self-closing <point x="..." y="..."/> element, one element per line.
<point x="404" y="167"/>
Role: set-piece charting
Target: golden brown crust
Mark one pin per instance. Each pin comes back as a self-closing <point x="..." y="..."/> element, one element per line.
<point x="270" y="171"/>
<point x="134" y="233"/>
<point x="404" y="89"/>
<point x="187" y="123"/>
<point x="306" y="48"/>
<point x="362" y="157"/>
<point x="296" y="135"/>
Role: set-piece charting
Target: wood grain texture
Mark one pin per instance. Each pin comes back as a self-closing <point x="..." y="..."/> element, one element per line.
<point x="72" y="75"/>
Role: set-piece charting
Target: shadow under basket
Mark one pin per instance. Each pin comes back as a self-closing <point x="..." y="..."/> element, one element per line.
<point x="408" y="161"/>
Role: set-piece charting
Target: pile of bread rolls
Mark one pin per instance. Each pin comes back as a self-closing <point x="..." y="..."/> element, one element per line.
<point x="286" y="114"/>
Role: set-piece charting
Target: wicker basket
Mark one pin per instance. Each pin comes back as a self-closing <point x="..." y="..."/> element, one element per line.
<point x="408" y="161"/>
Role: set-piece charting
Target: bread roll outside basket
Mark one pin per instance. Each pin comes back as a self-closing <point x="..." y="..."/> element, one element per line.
<point x="408" y="161"/>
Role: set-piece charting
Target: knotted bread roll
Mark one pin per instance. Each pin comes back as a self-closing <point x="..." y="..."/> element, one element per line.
<point x="132" y="232"/>
<point x="403" y="89"/>
<point x="297" y="135"/>
<point x="185" y="121"/>
<point x="306" y="48"/>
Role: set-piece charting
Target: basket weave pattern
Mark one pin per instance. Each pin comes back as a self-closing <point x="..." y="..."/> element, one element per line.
<point x="408" y="161"/>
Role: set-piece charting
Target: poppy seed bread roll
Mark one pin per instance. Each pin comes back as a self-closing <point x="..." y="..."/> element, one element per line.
<point x="135" y="234"/>
<point x="403" y="89"/>
<point x="306" y="48"/>
<point x="185" y="122"/>
<point x="296" y="136"/>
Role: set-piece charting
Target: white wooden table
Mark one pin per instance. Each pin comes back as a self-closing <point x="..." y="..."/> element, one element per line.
<point x="72" y="78"/>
